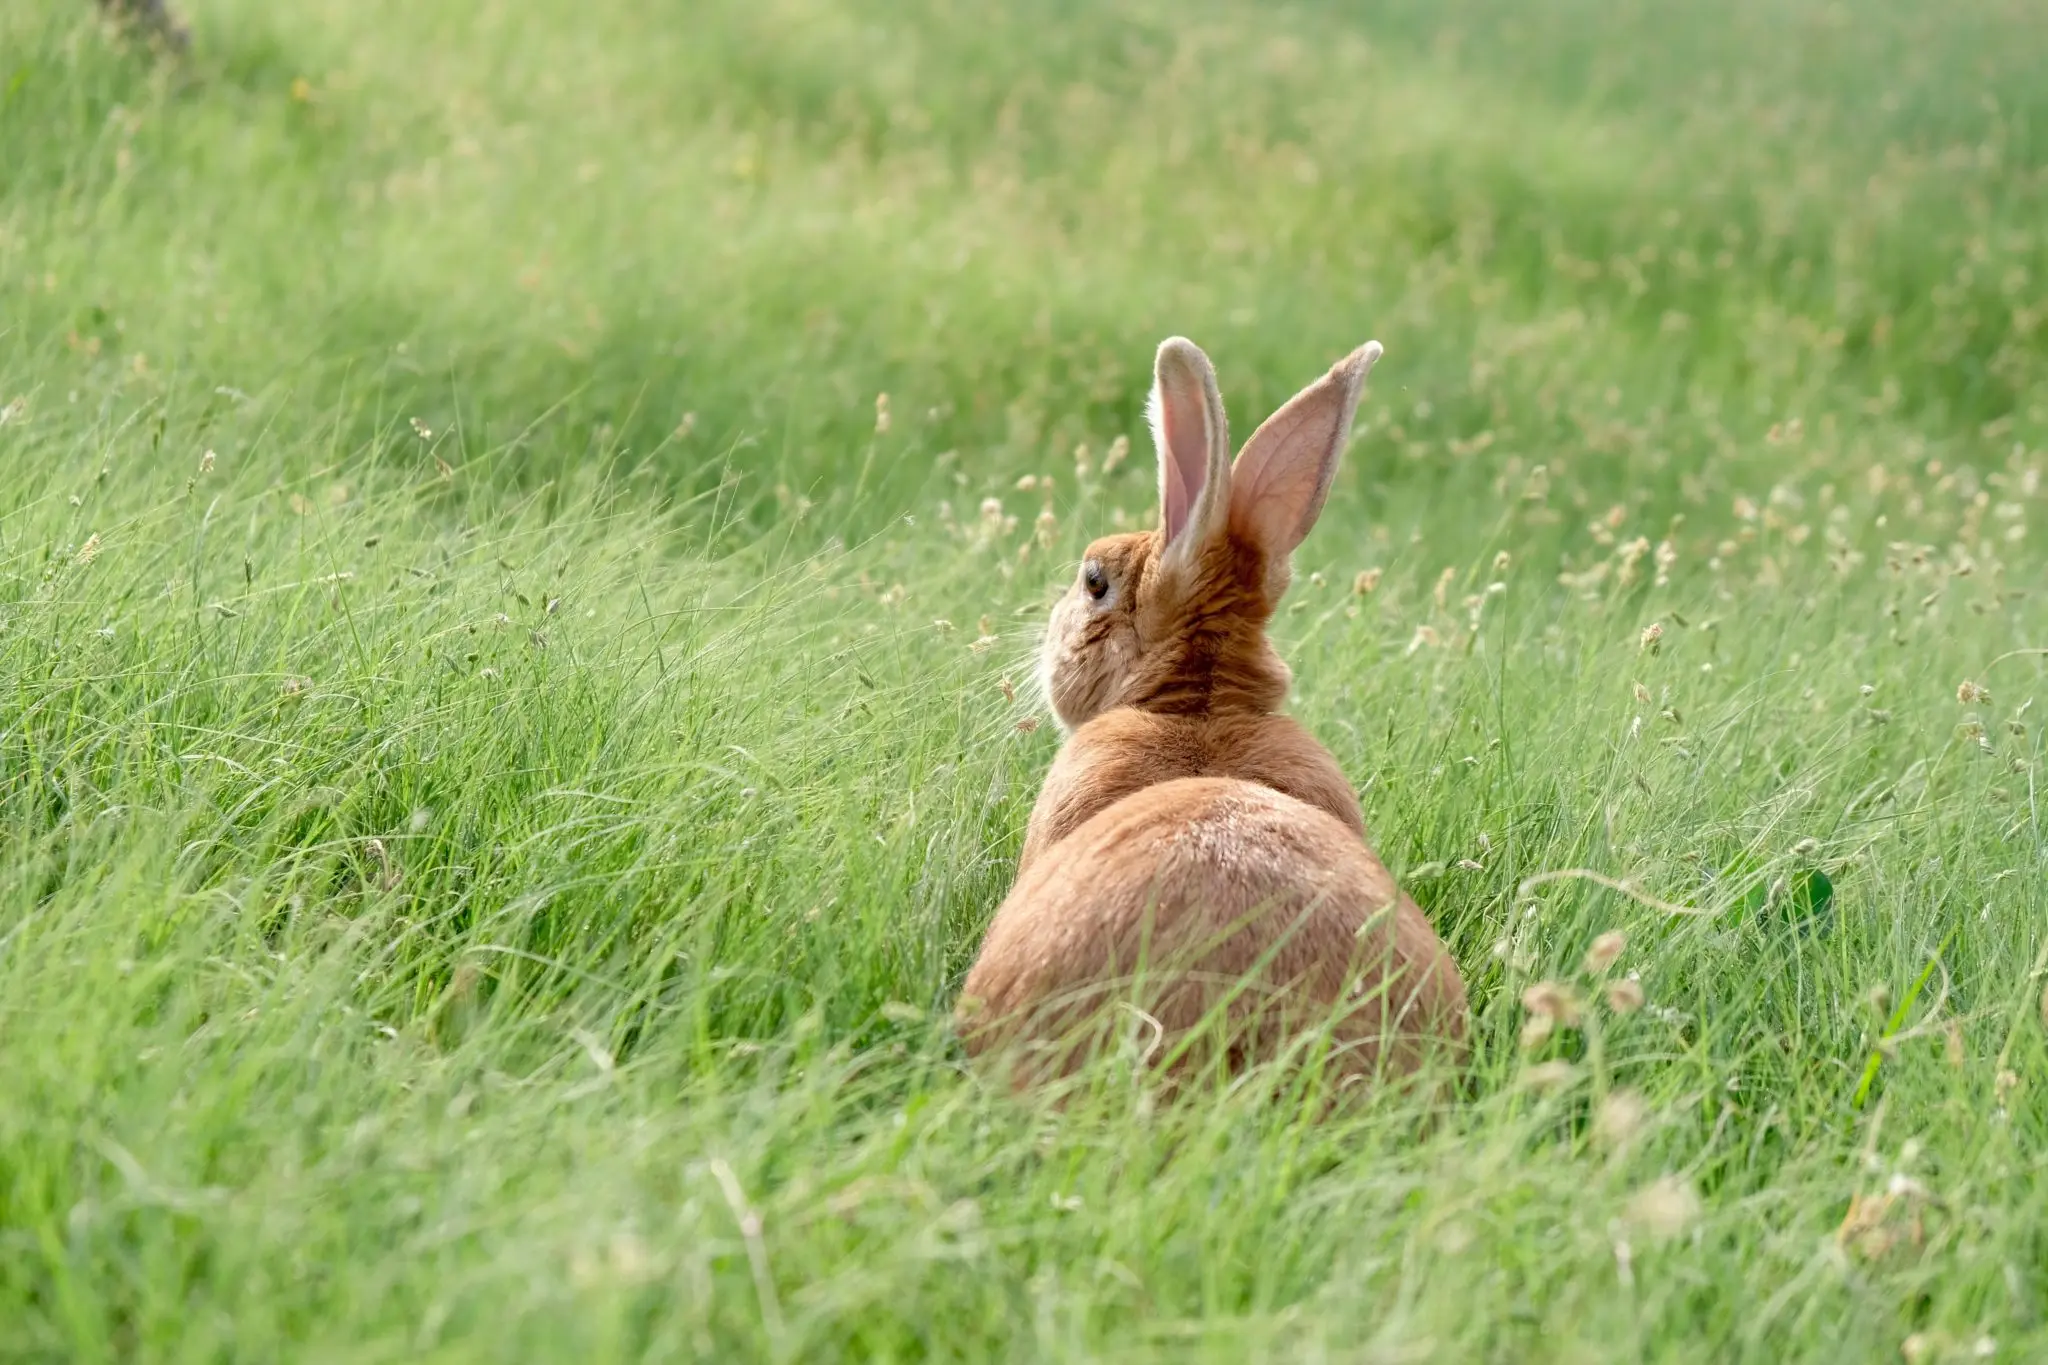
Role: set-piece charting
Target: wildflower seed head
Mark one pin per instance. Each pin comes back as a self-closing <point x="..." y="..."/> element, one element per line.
<point x="1552" y="1075"/>
<point x="89" y="551"/>
<point x="881" y="414"/>
<point x="1652" y="633"/>
<point x="422" y="430"/>
<point x="1971" y="693"/>
<point x="206" y="463"/>
<point x="1536" y="1031"/>
<point x="1366" y="581"/>
<point x="1119" y="451"/>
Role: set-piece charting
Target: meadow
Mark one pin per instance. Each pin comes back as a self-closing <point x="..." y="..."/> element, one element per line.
<point x="523" y="530"/>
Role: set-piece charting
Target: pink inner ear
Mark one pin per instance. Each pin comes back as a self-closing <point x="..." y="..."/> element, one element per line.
<point x="1277" y="511"/>
<point x="1284" y="473"/>
<point x="1184" y="452"/>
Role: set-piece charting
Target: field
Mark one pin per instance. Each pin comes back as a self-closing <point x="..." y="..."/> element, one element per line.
<point x="523" y="531"/>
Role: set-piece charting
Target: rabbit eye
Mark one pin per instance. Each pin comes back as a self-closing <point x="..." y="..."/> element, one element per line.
<point x="1094" y="579"/>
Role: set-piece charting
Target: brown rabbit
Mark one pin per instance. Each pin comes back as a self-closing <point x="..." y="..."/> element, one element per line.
<point x="1193" y="854"/>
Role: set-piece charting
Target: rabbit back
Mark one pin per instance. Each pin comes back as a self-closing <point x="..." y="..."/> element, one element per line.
<point x="1213" y="898"/>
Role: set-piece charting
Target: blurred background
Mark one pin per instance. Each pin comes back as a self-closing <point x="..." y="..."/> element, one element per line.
<point x="1616" y="237"/>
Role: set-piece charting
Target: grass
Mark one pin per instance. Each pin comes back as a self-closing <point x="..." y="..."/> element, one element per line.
<point x="493" y="816"/>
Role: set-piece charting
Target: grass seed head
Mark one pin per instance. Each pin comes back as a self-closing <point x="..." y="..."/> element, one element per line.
<point x="1553" y="1000"/>
<point x="1621" y="1117"/>
<point x="1664" y="1208"/>
<point x="1624" y="996"/>
<point x="1604" y="951"/>
<point x="89" y="551"/>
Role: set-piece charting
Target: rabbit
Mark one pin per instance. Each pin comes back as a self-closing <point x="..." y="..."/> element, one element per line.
<point x="1193" y="852"/>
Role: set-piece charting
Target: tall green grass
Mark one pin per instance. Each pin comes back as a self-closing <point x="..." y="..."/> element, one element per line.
<point x="522" y="530"/>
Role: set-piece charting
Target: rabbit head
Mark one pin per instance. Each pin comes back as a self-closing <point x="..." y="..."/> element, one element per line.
<point x="1174" y="620"/>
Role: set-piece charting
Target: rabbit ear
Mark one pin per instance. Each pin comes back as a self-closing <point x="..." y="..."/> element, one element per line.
<point x="1284" y="472"/>
<point x="1186" y="413"/>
